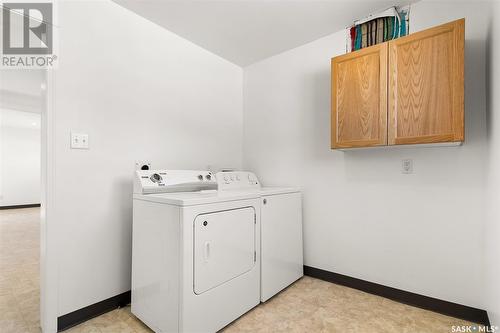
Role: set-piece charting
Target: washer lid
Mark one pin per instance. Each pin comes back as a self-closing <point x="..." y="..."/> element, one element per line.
<point x="197" y="198"/>
<point x="265" y="191"/>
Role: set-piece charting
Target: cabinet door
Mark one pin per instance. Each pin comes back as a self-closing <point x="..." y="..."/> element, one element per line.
<point x="359" y="98"/>
<point x="426" y="86"/>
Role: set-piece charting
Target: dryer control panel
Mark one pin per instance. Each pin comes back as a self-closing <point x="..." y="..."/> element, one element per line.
<point x="162" y="181"/>
<point x="237" y="180"/>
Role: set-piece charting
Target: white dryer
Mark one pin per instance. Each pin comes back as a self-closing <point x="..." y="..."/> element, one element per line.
<point x="195" y="251"/>
<point x="281" y="230"/>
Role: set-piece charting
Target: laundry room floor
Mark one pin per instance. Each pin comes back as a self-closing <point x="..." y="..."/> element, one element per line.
<point x="309" y="305"/>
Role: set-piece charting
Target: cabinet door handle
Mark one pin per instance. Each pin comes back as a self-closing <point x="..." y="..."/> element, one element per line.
<point x="206" y="251"/>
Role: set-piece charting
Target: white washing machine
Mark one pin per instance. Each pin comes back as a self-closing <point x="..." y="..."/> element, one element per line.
<point x="281" y="230"/>
<point x="282" y="260"/>
<point x="195" y="251"/>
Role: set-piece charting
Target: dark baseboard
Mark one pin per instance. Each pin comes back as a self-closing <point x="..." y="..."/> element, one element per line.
<point x="20" y="206"/>
<point x="79" y="316"/>
<point x="424" y="302"/>
<point x="474" y="315"/>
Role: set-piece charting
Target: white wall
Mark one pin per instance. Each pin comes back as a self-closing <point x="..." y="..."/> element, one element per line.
<point x="23" y="81"/>
<point x="19" y="157"/>
<point x="141" y="93"/>
<point x="421" y="232"/>
<point x="20" y="108"/>
<point x="492" y="229"/>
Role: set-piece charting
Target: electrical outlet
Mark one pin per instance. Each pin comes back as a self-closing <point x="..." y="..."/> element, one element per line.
<point x="79" y="141"/>
<point x="407" y="166"/>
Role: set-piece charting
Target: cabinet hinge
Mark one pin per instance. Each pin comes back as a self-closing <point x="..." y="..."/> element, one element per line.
<point x="254" y="256"/>
<point x="254" y="218"/>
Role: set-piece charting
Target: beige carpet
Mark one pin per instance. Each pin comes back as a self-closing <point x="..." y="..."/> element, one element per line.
<point x="310" y="305"/>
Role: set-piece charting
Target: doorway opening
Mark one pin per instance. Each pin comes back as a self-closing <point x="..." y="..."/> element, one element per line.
<point x="22" y="103"/>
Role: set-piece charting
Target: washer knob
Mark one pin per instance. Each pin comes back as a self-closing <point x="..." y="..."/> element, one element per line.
<point x="200" y="177"/>
<point x="155" y="178"/>
<point x="208" y="177"/>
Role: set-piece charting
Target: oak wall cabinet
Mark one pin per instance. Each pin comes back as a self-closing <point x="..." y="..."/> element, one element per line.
<point x="406" y="91"/>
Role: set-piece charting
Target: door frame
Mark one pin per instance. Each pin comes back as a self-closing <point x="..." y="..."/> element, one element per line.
<point x="48" y="227"/>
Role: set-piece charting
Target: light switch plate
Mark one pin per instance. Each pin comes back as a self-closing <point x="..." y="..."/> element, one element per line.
<point x="79" y="141"/>
<point x="407" y="166"/>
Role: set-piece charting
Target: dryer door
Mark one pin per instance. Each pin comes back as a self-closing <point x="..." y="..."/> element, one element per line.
<point x="224" y="247"/>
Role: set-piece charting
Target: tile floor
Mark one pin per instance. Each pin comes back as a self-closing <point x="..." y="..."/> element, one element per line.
<point x="310" y="305"/>
<point x="19" y="270"/>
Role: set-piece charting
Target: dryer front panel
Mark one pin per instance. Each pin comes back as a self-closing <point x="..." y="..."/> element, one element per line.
<point x="224" y="247"/>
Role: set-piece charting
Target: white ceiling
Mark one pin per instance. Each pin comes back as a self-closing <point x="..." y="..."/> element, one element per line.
<point x="245" y="32"/>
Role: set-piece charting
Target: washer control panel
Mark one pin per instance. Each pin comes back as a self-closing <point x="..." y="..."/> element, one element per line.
<point x="160" y="181"/>
<point x="237" y="180"/>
